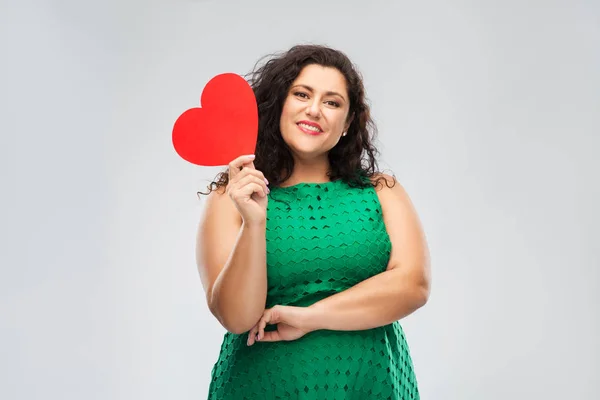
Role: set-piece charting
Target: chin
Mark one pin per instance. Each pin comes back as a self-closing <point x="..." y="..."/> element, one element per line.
<point x="307" y="152"/>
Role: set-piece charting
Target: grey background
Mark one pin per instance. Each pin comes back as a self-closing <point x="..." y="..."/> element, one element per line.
<point x="488" y="114"/>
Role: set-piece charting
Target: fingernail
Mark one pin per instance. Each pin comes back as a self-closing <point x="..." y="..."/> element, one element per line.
<point x="251" y="156"/>
<point x="266" y="181"/>
<point x="257" y="338"/>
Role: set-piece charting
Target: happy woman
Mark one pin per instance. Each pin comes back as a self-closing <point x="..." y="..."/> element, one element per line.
<point x="309" y="256"/>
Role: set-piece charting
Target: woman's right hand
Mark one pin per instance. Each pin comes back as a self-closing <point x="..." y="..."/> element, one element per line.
<point x="248" y="189"/>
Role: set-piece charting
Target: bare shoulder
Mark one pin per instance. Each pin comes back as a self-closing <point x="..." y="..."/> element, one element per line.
<point x="217" y="198"/>
<point x="387" y="186"/>
<point x="219" y="201"/>
<point x="391" y="193"/>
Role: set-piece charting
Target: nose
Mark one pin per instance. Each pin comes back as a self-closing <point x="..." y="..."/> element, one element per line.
<point x="314" y="109"/>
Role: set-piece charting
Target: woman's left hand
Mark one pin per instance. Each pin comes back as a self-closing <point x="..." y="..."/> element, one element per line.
<point x="291" y="324"/>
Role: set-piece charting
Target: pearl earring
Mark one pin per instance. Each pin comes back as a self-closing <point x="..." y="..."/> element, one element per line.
<point x="344" y="134"/>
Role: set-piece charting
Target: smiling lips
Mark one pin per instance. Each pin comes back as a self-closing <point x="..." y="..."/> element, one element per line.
<point x="312" y="128"/>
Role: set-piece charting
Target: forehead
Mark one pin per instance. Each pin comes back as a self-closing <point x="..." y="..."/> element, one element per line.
<point x="322" y="78"/>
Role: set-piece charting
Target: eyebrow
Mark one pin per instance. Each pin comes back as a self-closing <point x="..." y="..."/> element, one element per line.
<point x="329" y="93"/>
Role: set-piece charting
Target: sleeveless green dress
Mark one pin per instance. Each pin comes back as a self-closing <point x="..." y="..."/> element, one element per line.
<point x="322" y="238"/>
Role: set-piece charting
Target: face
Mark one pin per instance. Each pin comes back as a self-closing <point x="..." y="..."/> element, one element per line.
<point x="315" y="112"/>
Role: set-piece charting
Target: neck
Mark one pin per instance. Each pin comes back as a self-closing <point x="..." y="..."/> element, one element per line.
<point x="309" y="171"/>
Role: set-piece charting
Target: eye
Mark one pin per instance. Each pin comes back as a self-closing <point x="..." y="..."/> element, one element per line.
<point x="300" y="94"/>
<point x="333" y="103"/>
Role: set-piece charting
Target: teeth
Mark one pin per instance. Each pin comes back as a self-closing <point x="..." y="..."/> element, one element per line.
<point x="312" y="128"/>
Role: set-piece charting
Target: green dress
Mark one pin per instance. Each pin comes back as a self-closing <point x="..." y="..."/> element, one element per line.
<point x="322" y="238"/>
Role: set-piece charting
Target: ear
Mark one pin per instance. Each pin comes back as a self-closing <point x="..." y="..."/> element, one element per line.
<point x="348" y="123"/>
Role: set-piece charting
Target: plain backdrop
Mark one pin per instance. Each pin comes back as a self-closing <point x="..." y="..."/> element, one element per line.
<point x="488" y="114"/>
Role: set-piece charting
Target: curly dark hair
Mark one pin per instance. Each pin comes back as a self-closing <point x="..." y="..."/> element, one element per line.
<point x="353" y="159"/>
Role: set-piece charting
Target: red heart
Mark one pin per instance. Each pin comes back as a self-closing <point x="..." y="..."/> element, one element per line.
<point x="226" y="126"/>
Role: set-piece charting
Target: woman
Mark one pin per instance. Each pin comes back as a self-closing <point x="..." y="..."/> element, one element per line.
<point x="307" y="258"/>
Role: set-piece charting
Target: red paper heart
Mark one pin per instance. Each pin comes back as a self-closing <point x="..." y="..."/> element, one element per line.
<point x="226" y="126"/>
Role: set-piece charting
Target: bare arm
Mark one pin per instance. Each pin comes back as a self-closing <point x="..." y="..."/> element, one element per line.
<point x="231" y="258"/>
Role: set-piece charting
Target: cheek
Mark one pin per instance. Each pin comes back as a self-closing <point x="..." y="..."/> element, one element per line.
<point x="285" y="111"/>
<point x="285" y="120"/>
<point x="338" y="120"/>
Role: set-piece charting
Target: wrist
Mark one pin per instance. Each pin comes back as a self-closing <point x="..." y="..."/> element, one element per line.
<point x="254" y="225"/>
<point x="311" y="318"/>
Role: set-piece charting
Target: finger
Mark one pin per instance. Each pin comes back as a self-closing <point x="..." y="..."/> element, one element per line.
<point x="249" y="171"/>
<point x="249" y="178"/>
<point x="251" y="188"/>
<point x="271" y="336"/>
<point x="261" y="329"/>
<point x="241" y="160"/>
<point x="248" y="338"/>
<point x="253" y="336"/>
<point x="238" y="163"/>
<point x="246" y="167"/>
<point x="249" y="185"/>
<point x="244" y="177"/>
<point x="266" y="319"/>
<point x="262" y="183"/>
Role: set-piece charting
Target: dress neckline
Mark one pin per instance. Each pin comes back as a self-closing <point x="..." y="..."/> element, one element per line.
<point x="307" y="185"/>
